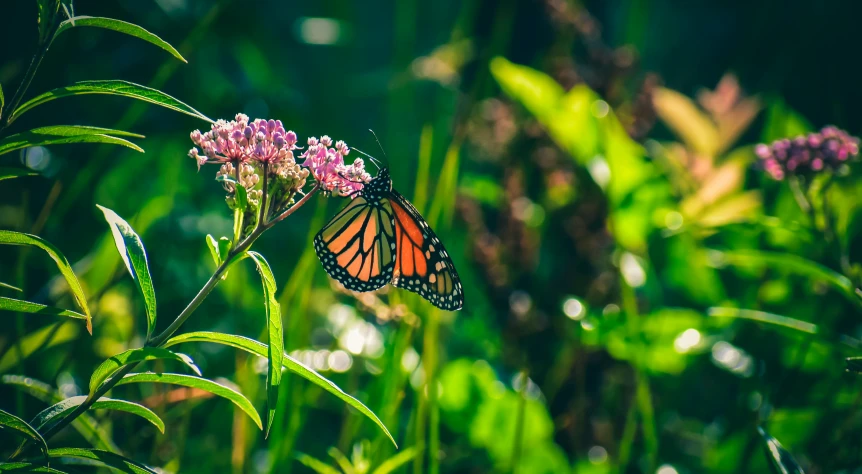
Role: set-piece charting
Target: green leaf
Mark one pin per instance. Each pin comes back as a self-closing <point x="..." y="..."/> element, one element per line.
<point x="113" y="460"/>
<point x="21" y="306"/>
<point x="111" y="87"/>
<point x="65" y="134"/>
<point x="84" y="424"/>
<point x="10" y="287"/>
<point x="790" y="263"/>
<point x="26" y="467"/>
<point x="47" y="12"/>
<point x="214" y="250"/>
<point x="135" y="257"/>
<point x="241" y="193"/>
<point x="9" y="173"/>
<point x="195" y="382"/>
<point x="38" y="340"/>
<point x="2" y="98"/>
<point x="17" y="238"/>
<point x="782" y="460"/>
<point x="315" y="464"/>
<point x="224" y="246"/>
<point x="131" y="356"/>
<point x="119" y="26"/>
<point x="393" y="463"/>
<point x="275" y="348"/>
<point x="764" y="317"/>
<point x="260" y="349"/>
<point x="59" y="410"/>
<point x="12" y="422"/>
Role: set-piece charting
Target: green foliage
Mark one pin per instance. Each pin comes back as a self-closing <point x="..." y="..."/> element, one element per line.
<point x="65" y="134"/>
<point x="112" y="365"/>
<point x="62" y="408"/>
<point x="195" y="382"/>
<point x="110" y="87"/>
<point x="9" y="421"/>
<point x="10" y="304"/>
<point x="118" y="26"/>
<point x="782" y="461"/>
<point x="132" y="251"/>
<point x="106" y="458"/>
<point x="9" y="173"/>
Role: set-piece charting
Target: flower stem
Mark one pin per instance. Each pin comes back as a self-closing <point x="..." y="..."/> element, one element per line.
<point x="160" y="339"/>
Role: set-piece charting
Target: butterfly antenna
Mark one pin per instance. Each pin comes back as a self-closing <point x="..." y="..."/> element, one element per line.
<point x="378" y="144"/>
<point x="375" y="161"/>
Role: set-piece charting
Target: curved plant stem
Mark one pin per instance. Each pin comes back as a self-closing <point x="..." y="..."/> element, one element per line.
<point x="235" y="254"/>
<point x="28" y="76"/>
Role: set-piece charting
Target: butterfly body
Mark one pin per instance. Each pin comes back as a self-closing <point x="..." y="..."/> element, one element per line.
<point x="381" y="238"/>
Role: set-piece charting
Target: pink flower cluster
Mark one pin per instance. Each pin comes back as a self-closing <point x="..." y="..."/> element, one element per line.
<point x="808" y="154"/>
<point x="263" y="141"/>
<point x="326" y="164"/>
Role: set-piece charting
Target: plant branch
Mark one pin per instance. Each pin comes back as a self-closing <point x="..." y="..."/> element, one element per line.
<point x="28" y="76"/>
<point x="160" y="339"/>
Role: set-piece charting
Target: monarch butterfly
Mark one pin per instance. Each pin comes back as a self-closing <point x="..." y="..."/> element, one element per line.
<point x="380" y="238"/>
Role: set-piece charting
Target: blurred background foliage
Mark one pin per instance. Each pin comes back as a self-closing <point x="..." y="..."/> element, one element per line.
<point x="639" y="297"/>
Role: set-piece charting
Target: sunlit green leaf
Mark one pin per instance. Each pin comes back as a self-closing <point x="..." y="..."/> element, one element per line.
<point x="9" y="173"/>
<point x="11" y="422"/>
<point x="224" y="246"/>
<point x="41" y="339"/>
<point x="21" y="306"/>
<point x="259" y="348"/>
<point x="196" y="382"/>
<point x="110" y="366"/>
<point x="315" y="464"/>
<point x="84" y="424"/>
<point x="111" y="87"/>
<point x="687" y="121"/>
<point x="65" y="134"/>
<point x="112" y="460"/>
<point x="275" y="348"/>
<point x="119" y="26"/>
<point x="764" y="317"/>
<point x="10" y="287"/>
<point x="131" y="248"/>
<point x="390" y="465"/>
<point x="782" y="461"/>
<point x="59" y="410"/>
<point x="17" y="238"/>
<point x="214" y="250"/>
<point x="27" y="467"/>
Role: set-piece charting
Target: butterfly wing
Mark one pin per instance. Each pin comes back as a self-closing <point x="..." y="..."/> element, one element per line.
<point x="357" y="246"/>
<point x="422" y="264"/>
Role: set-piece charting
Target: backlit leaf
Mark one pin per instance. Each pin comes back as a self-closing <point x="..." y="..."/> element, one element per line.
<point x="17" y="238"/>
<point x="275" y="348"/>
<point x="58" y="411"/>
<point x="114" y="363"/>
<point x="11" y="422"/>
<point x="119" y="26"/>
<point x="112" y="460"/>
<point x="781" y="460"/>
<point x="66" y="134"/>
<point x="9" y="173"/>
<point x="135" y="257"/>
<point x="21" y="306"/>
<point x="196" y="382"/>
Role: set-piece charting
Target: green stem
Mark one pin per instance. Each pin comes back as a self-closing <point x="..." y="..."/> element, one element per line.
<point x="517" y="449"/>
<point x="157" y="341"/>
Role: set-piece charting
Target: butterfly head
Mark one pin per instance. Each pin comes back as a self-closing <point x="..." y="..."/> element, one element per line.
<point x="381" y="184"/>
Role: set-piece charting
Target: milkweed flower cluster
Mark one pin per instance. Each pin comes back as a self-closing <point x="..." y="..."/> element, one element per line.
<point x="258" y="154"/>
<point x="327" y="166"/>
<point x="808" y="154"/>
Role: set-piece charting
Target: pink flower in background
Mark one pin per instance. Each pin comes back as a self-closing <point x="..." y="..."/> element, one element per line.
<point x="808" y="154"/>
<point x="326" y="164"/>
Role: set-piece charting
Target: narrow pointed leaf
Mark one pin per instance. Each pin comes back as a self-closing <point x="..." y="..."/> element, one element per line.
<point x="21" y="306"/>
<point x="66" y="134"/>
<point x="782" y="461"/>
<point x="47" y="12"/>
<point x="10" y="287"/>
<point x="390" y="465"/>
<point x="275" y="349"/>
<point x="9" y="173"/>
<point x="59" y="410"/>
<point x="27" y="467"/>
<point x="84" y="424"/>
<point x="17" y="238"/>
<point x="111" y="87"/>
<point x="135" y="257"/>
<point x="113" y="460"/>
<point x="196" y="382"/>
<point x="764" y="317"/>
<point x="291" y="364"/>
<point x="214" y="251"/>
<point x="315" y="464"/>
<point x="119" y="26"/>
<point x="113" y="364"/>
<point x="36" y="341"/>
<point x="11" y="422"/>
